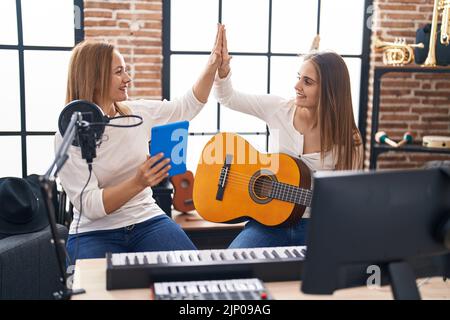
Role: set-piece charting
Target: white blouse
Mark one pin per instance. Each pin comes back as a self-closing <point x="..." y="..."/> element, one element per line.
<point x="278" y="113"/>
<point x="120" y="154"/>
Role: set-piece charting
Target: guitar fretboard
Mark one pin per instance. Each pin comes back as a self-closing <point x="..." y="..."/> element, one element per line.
<point x="289" y="193"/>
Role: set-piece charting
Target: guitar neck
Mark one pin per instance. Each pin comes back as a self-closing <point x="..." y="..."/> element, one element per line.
<point x="290" y="193"/>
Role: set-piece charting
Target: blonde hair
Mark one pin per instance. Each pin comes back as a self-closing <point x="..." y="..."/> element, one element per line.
<point x="89" y="73"/>
<point x="338" y="131"/>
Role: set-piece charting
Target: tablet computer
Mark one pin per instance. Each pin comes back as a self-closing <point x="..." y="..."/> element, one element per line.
<point x="171" y="139"/>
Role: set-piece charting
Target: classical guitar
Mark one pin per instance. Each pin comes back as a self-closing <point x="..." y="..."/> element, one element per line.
<point x="183" y="185"/>
<point x="234" y="181"/>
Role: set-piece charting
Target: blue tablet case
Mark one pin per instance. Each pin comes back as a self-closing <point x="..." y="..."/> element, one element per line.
<point x="171" y="139"/>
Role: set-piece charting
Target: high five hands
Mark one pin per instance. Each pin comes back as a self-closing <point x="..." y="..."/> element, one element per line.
<point x="224" y="67"/>
<point x="220" y="58"/>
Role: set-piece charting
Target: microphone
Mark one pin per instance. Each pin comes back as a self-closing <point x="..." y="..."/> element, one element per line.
<point x="87" y="134"/>
<point x="91" y="127"/>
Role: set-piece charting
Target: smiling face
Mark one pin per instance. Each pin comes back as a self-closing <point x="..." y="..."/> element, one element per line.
<point x="120" y="79"/>
<point x="307" y="88"/>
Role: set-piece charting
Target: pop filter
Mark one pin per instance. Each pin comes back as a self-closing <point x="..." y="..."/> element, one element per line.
<point x="90" y="112"/>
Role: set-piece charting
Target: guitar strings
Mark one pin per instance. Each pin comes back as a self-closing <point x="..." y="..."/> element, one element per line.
<point x="288" y="188"/>
<point x="244" y="179"/>
<point x="249" y="176"/>
<point x="242" y="184"/>
<point x="283" y="196"/>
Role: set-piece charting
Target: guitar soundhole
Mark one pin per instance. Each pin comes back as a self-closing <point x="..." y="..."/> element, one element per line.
<point x="184" y="184"/>
<point x="260" y="186"/>
<point x="263" y="187"/>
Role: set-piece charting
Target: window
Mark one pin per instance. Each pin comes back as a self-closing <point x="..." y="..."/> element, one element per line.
<point x="34" y="56"/>
<point x="265" y="38"/>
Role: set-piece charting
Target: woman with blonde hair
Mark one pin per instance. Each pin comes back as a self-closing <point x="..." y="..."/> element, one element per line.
<point x="316" y="126"/>
<point x="114" y="210"/>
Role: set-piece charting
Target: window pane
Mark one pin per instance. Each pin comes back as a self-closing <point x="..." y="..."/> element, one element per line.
<point x="195" y="148"/>
<point x="45" y="82"/>
<point x="283" y="75"/>
<point x="184" y="71"/>
<point x="257" y="141"/>
<point x="294" y="25"/>
<point x="249" y="76"/>
<point x="11" y="160"/>
<point x="247" y="24"/>
<point x="336" y="33"/>
<point x="40" y="153"/>
<point x="10" y="91"/>
<point x="354" y="69"/>
<point x="193" y="32"/>
<point x="8" y="21"/>
<point x="48" y="22"/>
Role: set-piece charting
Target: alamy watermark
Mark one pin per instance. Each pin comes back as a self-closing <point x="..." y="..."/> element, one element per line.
<point x="70" y="274"/>
<point x="221" y="145"/>
<point x="374" y="279"/>
<point x="77" y="13"/>
<point x="374" y="17"/>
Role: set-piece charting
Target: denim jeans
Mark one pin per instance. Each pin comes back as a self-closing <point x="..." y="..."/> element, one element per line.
<point x="257" y="235"/>
<point x="157" y="234"/>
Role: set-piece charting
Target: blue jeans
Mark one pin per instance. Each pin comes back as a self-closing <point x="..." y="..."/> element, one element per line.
<point x="157" y="234"/>
<point x="257" y="235"/>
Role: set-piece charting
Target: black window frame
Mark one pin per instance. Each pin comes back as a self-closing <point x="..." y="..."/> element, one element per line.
<point x="21" y="48"/>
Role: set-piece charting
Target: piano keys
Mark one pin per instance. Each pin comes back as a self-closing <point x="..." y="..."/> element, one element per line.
<point x="229" y="289"/>
<point x="141" y="269"/>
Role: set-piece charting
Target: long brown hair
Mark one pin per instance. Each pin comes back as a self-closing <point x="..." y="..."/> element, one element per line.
<point x="338" y="131"/>
<point x="90" y="73"/>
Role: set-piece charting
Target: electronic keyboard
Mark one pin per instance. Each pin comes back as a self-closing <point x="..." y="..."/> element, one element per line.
<point x="141" y="269"/>
<point x="230" y="289"/>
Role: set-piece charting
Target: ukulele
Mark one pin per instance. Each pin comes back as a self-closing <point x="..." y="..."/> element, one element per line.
<point x="183" y="185"/>
<point x="234" y="181"/>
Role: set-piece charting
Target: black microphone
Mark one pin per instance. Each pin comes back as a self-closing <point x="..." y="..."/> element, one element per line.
<point x="87" y="134"/>
<point x="90" y="129"/>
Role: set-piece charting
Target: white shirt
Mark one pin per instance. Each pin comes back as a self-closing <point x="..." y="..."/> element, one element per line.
<point x="278" y="113"/>
<point x="120" y="154"/>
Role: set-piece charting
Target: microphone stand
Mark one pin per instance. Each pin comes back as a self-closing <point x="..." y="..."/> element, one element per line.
<point x="47" y="183"/>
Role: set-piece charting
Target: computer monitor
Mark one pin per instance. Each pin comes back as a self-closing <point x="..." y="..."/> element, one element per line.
<point x="397" y="221"/>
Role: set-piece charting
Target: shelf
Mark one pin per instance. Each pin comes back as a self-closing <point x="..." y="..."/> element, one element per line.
<point x="411" y="68"/>
<point x="377" y="149"/>
<point x="409" y="148"/>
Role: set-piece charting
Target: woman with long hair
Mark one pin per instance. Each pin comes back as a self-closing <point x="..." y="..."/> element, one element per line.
<point x="115" y="211"/>
<point x="316" y="126"/>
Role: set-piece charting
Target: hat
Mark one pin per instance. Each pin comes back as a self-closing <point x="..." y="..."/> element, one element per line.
<point x="22" y="207"/>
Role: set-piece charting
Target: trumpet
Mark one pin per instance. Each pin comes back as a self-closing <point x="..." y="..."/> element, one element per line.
<point x="444" y="6"/>
<point x="445" y="25"/>
<point x="398" y="52"/>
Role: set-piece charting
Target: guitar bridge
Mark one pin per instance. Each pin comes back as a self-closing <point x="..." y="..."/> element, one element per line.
<point x="223" y="177"/>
